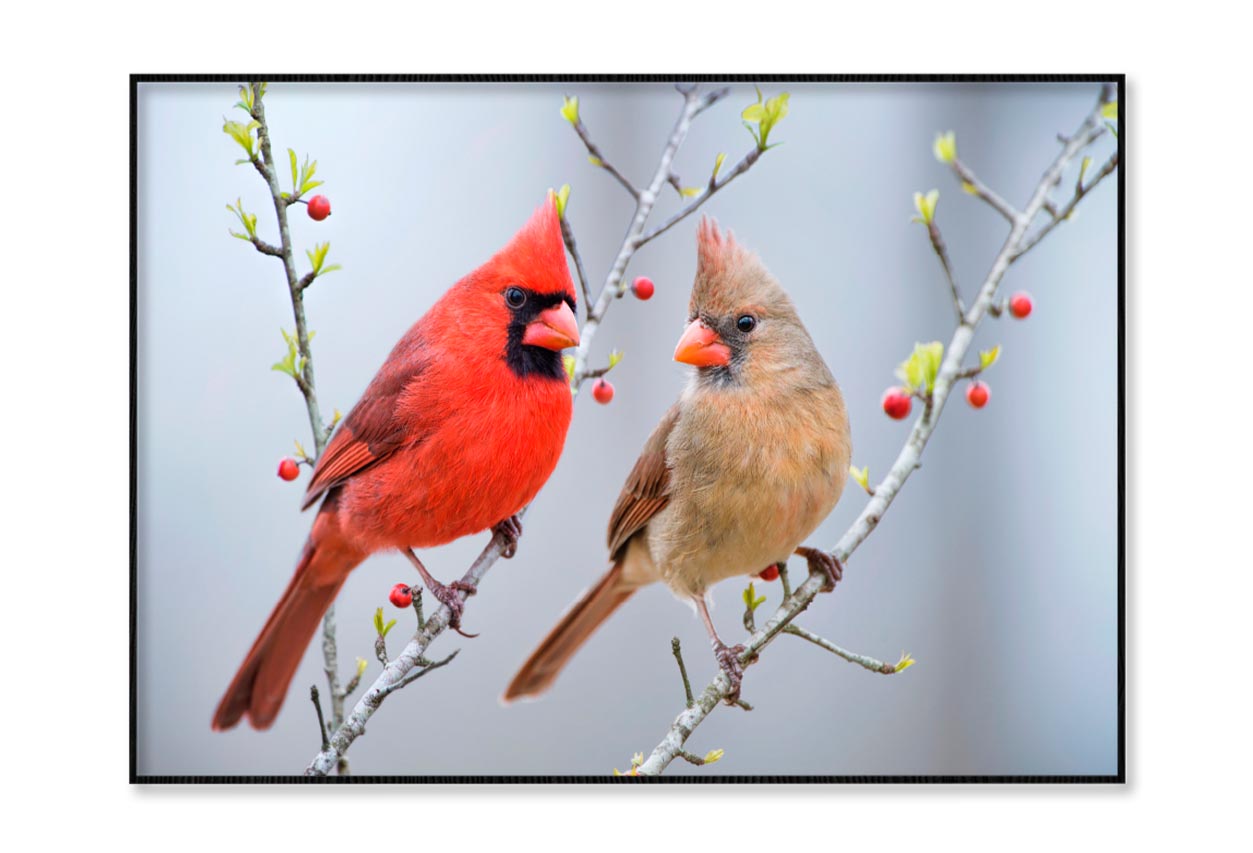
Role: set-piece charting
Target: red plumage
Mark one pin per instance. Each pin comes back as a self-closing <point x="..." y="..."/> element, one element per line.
<point x="460" y="428"/>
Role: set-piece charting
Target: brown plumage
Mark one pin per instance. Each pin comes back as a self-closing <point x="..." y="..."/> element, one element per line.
<point x="747" y="463"/>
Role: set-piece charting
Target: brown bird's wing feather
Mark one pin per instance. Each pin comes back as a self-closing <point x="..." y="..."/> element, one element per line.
<point x="647" y="489"/>
<point x="368" y="435"/>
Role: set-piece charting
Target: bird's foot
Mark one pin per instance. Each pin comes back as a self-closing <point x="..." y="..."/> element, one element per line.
<point x="447" y="596"/>
<point x="825" y="564"/>
<point x="729" y="660"/>
<point x="509" y="530"/>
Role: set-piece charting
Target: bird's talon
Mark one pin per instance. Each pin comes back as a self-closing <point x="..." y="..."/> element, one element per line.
<point x="510" y="530"/>
<point x="729" y="661"/>
<point x="446" y="594"/>
<point x="825" y="564"/>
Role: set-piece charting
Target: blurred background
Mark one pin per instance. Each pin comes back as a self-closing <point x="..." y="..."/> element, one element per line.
<point x="996" y="567"/>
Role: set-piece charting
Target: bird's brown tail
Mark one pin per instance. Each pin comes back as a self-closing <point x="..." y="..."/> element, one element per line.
<point x="261" y="684"/>
<point x="579" y="623"/>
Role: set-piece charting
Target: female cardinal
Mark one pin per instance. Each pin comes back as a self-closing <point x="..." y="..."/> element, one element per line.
<point x="742" y="468"/>
<point x="456" y="433"/>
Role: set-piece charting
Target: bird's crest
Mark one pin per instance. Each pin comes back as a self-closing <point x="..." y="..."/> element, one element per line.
<point x="728" y="275"/>
<point x="537" y="253"/>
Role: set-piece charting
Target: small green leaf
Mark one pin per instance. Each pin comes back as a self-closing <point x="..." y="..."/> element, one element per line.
<point x="329" y="268"/>
<point x="920" y="369"/>
<point x="945" y="147"/>
<point x="718" y="164"/>
<point x="969" y="188"/>
<point x="925" y="205"/>
<point x="288" y="363"/>
<point x="860" y="475"/>
<point x="318" y="256"/>
<point x="562" y="196"/>
<point x="765" y="115"/>
<point x="295" y="181"/>
<point x="690" y="192"/>
<point x="614" y="357"/>
<point x="568" y="362"/>
<point x="904" y="663"/>
<point x="595" y="161"/>
<point x="751" y="600"/>
<point x="378" y="621"/>
<point x="361" y="667"/>
<point x="242" y="133"/>
<point x="570" y="109"/>
<point x="988" y="357"/>
<point x="714" y="755"/>
<point x="1110" y="111"/>
<point x="1083" y="168"/>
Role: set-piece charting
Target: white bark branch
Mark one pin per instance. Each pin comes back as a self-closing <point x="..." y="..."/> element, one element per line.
<point x="909" y="458"/>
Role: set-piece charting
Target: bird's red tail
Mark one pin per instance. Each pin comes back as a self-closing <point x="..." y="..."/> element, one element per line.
<point x="260" y="686"/>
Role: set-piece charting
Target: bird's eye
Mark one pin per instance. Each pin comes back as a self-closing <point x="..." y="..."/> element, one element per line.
<point x="515" y="297"/>
<point x="746" y="323"/>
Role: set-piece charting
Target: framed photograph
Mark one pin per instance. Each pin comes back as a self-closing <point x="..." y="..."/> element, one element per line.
<point x="627" y="429"/>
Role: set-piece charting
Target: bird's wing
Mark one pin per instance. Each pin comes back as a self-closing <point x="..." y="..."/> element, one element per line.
<point x="647" y="488"/>
<point x="368" y="435"/>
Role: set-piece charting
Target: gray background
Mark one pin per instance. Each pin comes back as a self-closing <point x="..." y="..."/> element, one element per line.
<point x="996" y="567"/>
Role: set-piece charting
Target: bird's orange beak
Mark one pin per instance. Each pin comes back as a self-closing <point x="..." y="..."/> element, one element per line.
<point x="701" y="346"/>
<point x="554" y="329"/>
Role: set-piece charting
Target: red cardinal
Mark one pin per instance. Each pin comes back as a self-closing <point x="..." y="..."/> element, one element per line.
<point x="457" y="432"/>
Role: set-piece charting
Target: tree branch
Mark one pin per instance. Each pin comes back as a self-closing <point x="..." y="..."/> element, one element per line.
<point x="852" y="657"/>
<point x="305" y="377"/>
<point x="672" y="743"/>
<point x="941" y="251"/>
<point x="598" y="159"/>
<point x="976" y="187"/>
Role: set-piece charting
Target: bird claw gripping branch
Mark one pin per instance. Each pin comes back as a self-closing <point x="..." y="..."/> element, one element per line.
<point x="729" y="660"/>
<point x="510" y="531"/>
<point x="825" y="564"/>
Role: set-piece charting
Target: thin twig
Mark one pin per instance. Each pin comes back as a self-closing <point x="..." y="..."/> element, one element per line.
<point x="317" y="706"/>
<point x="908" y="460"/>
<point x="941" y="250"/>
<point x="567" y="234"/>
<point x="678" y="656"/>
<point x="852" y="657"/>
<point x="740" y="168"/>
<point x="427" y="667"/>
<point x="598" y="159"/>
<point x="982" y="190"/>
<point x="1062" y="215"/>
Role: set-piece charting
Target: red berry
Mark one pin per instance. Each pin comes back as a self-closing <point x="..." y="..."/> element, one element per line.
<point x="288" y="469"/>
<point x="400" y="595"/>
<point x="977" y="394"/>
<point x="643" y="288"/>
<point x="1020" y="304"/>
<point x="319" y="208"/>
<point x="602" y="391"/>
<point x="770" y="573"/>
<point x="897" y="403"/>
